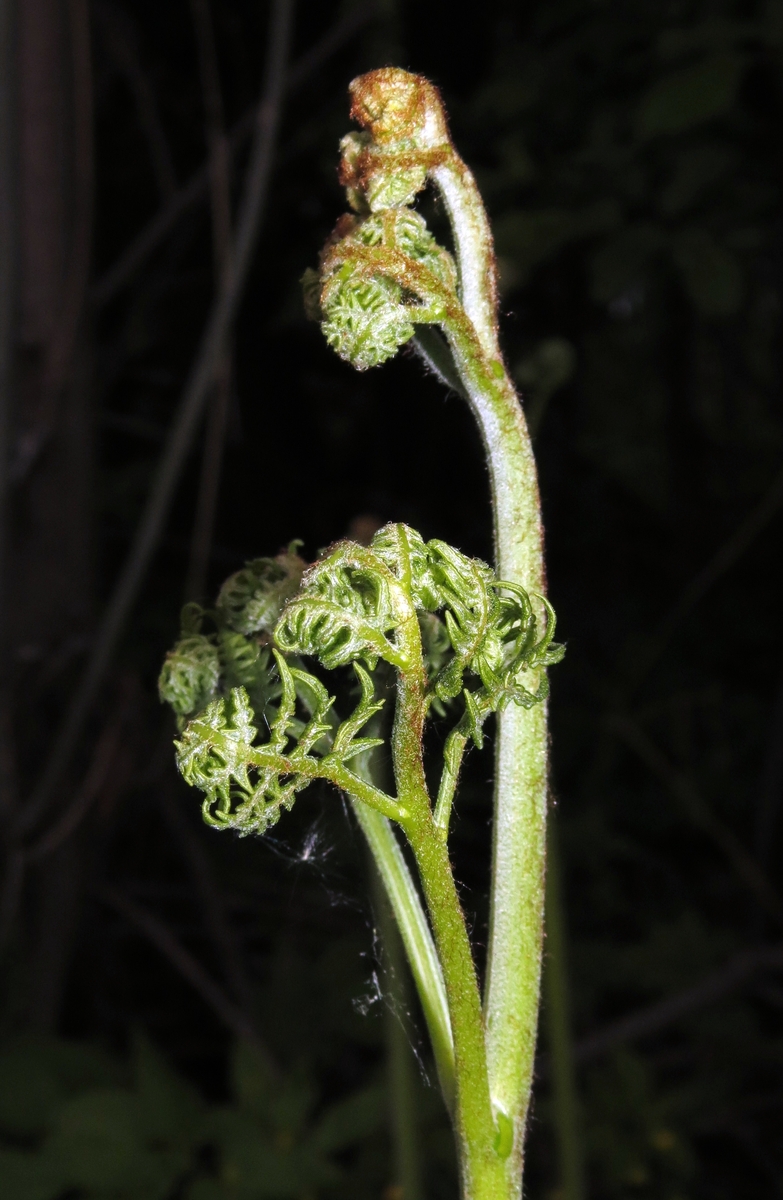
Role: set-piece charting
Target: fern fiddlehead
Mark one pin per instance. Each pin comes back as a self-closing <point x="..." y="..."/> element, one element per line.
<point x="345" y="612"/>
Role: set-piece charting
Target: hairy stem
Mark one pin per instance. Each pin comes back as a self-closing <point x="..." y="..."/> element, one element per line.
<point x="417" y="939"/>
<point x="482" y="1170"/>
<point x="473" y="243"/>
<point x="519" y="837"/>
<point x="519" y="841"/>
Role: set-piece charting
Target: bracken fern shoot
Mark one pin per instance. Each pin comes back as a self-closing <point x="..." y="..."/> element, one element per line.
<point x="253" y="681"/>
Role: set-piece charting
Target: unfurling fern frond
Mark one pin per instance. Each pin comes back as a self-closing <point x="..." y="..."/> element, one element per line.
<point x="251" y="600"/>
<point x="464" y="590"/>
<point x="471" y="624"/>
<point x="407" y="556"/>
<point x="247" y="783"/>
<point x="243" y="789"/>
<point x="203" y="666"/>
<point x="346" y="744"/>
<point x="190" y="674"/>
<point x="507" y="649"/>
<point x="364" y="320"/>
<point x="372" y="189"/>
<point x="419" y="606"/>
<point x="234" y="653"/>
<point x="343" y="611"/>
<point x="436" y="652"/>
<point x="457" y="636"/>
<point x="367" y="313"/>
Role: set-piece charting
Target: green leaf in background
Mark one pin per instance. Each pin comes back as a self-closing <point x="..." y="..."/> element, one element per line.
<point x="690" y="97"/>
<point x="281" y="1105"/>
<point x="267" y="1145"/>
<point x="99" y="1140"/>
<point x="256" y="1163"/>
<point x="110" y="1146"/>
<point x="711" y="274"/>
<point x="350" y="1120"/>
<point x="252" y="1080"/>
<point x="633" y="1134"/>
<point x="100" y="1145"/>
<point x="37" y="1074"/>
<point x="25" y="1175"/>
<point x="170" y="1111"/>
<point x="695" y="171"/>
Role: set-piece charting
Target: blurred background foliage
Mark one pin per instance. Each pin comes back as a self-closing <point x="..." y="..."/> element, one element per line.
<point x="183" y="1015"/>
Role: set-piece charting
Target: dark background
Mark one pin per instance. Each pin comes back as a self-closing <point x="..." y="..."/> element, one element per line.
<point x="629" y="153"/>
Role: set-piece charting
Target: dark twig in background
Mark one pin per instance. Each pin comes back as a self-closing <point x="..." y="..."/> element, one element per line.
<point x="186" y="421"/>
<point x="156" y="932"/>
<point x="656" y="1017"/>
<point x="196" y="190"/>
<point x="216" y="919"/>
<point x="220" y="204"/>
<point x="31" y="440"/>
<point x="742" y="862"/>
<point x="726" y="557"/>
<point x="121" y="38"/>
<point x="771" y="788"/>
<point x="8" y="254"/>
<point x="105" y="751"/>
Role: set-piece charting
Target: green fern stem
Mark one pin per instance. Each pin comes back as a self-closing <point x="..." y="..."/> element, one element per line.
<point x="482" y="1169"/>
<point x="519" y="828"/>
<point x="333" y="771"/>
<point x="521" y="775"/>
<point x="482" y="1162"/>
<point x="417" y="940"/>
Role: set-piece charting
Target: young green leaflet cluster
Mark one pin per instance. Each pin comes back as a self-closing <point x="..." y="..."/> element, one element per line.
<point x="366" y="316"/>
<point x="238" y="670"/>
<point x="382" y="272"/>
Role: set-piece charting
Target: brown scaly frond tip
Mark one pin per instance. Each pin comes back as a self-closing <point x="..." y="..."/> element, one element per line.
<point x="393" y="104"/>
